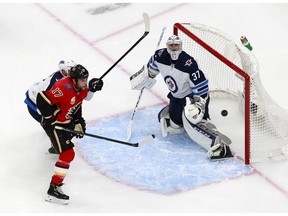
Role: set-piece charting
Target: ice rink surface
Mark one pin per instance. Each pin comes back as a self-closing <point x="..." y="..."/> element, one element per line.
<point x="35" y="37"/>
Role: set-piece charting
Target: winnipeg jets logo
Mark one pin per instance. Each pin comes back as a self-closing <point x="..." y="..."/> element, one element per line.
<point x="171" y="84"/>
<point x="188" y="62"/>
<point x="160" y="52"/>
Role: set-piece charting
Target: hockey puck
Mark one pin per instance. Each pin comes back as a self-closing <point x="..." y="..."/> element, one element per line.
<point x="224" y="112"/>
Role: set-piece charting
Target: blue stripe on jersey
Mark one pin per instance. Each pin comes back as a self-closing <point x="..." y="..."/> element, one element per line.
<point x="30" y="103"/>
<point x="199" y="93"/>
<point x="152" y="65"/>
<point x="200" y="85"/>
<point x="196" y="89"/>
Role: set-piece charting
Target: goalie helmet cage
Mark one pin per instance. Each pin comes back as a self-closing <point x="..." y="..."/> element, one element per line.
<point x="233" y="69"/>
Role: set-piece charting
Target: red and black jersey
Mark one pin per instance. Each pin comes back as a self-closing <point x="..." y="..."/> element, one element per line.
<point x="63" y="99"/>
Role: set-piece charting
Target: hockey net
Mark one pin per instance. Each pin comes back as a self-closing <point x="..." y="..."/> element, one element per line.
<point x="233" y="71"/>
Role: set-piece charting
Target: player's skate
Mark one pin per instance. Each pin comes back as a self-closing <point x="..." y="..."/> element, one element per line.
<point x="56" y="195"/>
<point x="52" y="150"/>
<point x="219" y="151"/>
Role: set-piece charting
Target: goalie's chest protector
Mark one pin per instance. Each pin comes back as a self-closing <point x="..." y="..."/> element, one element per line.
<point x="177" y="77"/>
<point x="177" y="81"/>
<point x="181" y="78"/>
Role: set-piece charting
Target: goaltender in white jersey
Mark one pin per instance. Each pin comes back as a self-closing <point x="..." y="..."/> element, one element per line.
<point x="188" y="107"/>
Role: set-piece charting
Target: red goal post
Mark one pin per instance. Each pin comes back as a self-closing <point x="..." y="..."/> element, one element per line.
<point x="232" y="68"/>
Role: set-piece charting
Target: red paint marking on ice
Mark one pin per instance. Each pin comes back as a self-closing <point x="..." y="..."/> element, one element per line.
<point x="108" y="58"/>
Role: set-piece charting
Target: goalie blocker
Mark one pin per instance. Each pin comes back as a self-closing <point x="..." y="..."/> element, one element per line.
<point x="141" y="79"/>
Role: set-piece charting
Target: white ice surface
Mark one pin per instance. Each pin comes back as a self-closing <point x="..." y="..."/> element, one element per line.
<point x="34" y="37"/>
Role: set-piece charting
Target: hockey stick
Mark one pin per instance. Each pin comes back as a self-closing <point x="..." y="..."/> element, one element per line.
<point x="133" y="114"/>
<point x="140" y="95"/>
<point x="145" y="140"/>
<point x="147" y="30"/>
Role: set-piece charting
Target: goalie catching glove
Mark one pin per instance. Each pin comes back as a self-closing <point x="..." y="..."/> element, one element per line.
<point x="141" y="79"/>
<point x="194" y="109"/>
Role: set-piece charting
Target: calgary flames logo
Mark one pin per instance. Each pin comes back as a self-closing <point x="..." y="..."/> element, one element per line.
<point x="73" y="110"/>
<point x="160" y="52"/>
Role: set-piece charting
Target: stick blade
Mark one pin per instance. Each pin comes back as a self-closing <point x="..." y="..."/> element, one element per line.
<point x="147" y="139"/>
<point x="146" y="22"/>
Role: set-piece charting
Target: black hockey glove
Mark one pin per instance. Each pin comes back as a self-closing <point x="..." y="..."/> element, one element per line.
<point x="80" y="126"/>
<point x="95" y="84"/>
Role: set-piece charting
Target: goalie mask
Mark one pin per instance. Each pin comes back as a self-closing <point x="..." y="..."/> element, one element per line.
<point x="174" y="46"/>
<point x="65" y="66"/>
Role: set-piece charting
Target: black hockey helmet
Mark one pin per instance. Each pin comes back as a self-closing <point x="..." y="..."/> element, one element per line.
<point x="79" y="72"/>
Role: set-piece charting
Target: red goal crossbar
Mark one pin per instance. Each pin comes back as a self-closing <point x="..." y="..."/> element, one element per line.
<point x="179" y="27"/>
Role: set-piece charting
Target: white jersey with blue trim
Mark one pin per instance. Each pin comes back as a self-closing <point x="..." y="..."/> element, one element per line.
<point x="183" y="77"/>
<point x="43" y="85"/>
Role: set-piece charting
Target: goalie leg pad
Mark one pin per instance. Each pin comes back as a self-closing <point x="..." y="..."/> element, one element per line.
<point x="167" y="125"/>
<point x="173" y="128"/>
<point x="163" y="123"/>
<point x="211" y="128"/>
<point x="163" y="116"/>
<point x="206" y="135"/>
<point x="198" y="134"/>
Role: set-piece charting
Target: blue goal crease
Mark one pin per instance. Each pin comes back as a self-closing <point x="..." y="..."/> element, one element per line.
<point x="165" y="165"/>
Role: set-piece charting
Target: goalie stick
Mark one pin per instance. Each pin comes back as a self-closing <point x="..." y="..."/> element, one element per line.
<point x="145" y="140"/>
<point x="147" y="30"/>
<point x="129" y="128"/>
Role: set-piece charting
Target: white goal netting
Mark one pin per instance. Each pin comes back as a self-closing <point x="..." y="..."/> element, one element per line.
<point x="265" y="122"/>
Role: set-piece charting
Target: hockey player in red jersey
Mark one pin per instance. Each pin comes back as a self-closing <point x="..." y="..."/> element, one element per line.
<point x="62" y="106"/>
<point x="46" y="84"/>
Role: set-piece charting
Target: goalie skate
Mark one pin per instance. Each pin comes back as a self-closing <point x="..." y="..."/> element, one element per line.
<point x="56" y="195"/>
<point x="219" y="152"/>
<point x="221" y="149"/>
